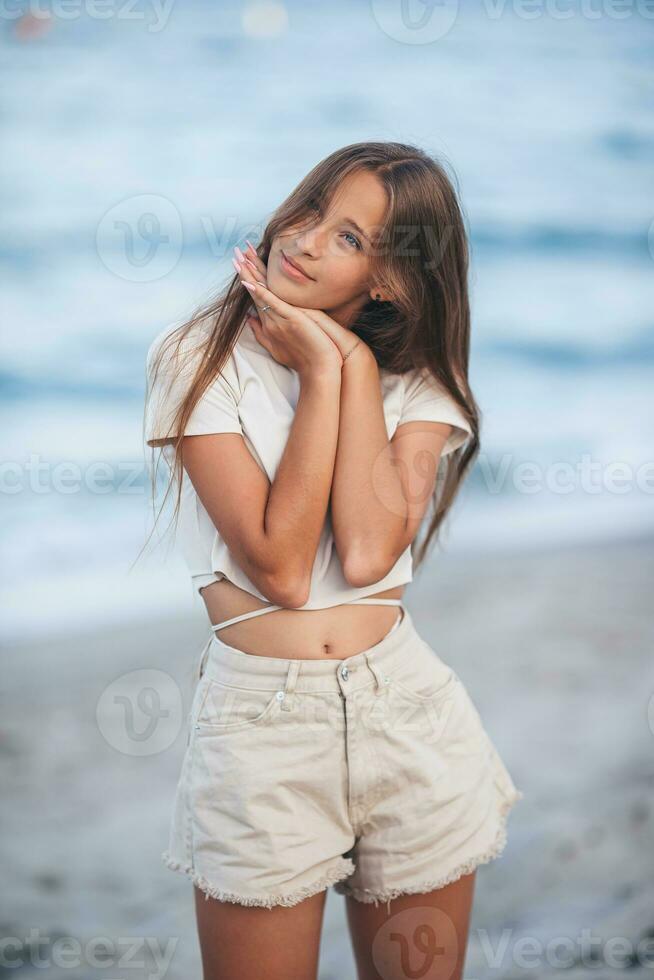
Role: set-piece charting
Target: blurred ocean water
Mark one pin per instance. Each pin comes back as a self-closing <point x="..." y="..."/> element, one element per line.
<point x="138" y="155"/>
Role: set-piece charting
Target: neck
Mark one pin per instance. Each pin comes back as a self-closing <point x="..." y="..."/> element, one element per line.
<point x="346" y="313"/>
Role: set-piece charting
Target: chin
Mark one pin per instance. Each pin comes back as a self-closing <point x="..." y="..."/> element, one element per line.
<point x="287" y="291"/>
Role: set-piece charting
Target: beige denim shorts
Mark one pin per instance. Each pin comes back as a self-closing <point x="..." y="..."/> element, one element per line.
<point x="373" y="774"/>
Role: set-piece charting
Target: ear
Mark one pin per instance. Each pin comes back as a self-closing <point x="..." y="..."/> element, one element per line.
<point x="378" y="295"/>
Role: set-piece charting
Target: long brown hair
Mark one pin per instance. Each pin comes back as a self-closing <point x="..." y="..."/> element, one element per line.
<point x="420" y="257"/>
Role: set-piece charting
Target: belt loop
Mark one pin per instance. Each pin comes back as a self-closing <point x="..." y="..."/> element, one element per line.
<point x="378" y="674"/>
<point x="203" y="657"/>
<point x="289" y="687"/>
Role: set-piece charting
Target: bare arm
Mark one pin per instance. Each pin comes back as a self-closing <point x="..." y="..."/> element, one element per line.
<point x="273" y="529"/>
<point x="381" y="488"/>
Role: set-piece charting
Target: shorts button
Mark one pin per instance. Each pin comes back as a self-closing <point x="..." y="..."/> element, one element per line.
<point x="280" y="695"/>
<point x="345" y="673"/>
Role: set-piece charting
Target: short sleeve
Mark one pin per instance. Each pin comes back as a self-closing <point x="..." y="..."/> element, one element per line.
<point x="427" y="400"/>
<point x="215" y="411"/>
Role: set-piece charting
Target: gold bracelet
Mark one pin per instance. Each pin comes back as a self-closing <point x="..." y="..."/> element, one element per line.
<point x="350" y="350"/>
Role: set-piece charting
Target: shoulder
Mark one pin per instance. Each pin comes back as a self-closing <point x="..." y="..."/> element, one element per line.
<point x="156" y="344"/>
<point x="174" y="354"/>
<point x="176" y="351"/>
<point x="427" y="399"/>
<point x="422" y="379"/>
<point x="172" y="346"/>
<point x="421" y="383"/>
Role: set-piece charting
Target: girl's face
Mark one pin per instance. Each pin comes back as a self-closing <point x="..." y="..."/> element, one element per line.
<point x="332" y="252"/>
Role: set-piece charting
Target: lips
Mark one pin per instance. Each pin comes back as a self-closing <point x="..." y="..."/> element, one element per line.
<point x="295" y="265"/>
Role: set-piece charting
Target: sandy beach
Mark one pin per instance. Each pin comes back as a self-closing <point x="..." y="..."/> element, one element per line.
<point x="555" y="647"/>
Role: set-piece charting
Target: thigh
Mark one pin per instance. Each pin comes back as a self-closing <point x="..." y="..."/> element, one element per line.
<point x="420" y="935"/>
<point x="250" y="942"/>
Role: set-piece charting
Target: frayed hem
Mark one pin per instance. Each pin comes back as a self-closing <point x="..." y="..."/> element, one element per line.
<point x="466" y="867"/>
<point x="343" y="869"/>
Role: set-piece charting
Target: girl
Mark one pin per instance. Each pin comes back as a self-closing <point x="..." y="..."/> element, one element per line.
<point x="309" y="415"/>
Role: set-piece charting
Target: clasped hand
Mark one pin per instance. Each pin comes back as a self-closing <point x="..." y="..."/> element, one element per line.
<point x="303" y="339"/>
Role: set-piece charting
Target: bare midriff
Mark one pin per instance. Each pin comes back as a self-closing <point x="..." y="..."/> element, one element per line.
<point x="306" y="634"/>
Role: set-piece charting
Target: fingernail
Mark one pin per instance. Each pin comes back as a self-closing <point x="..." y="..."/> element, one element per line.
<point x="236" y="265"/>
<point x="251" y="245"/>
<point x="248" y="285"/>
<point x="239" y="254"/>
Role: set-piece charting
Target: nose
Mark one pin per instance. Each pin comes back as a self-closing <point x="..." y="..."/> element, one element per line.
<point x="310" y="240"/>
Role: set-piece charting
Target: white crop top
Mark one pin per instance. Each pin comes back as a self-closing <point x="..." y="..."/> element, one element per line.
<point x="256" y="396"/>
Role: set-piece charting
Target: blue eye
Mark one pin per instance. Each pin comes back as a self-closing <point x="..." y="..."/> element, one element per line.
<point x="356" y="240"/>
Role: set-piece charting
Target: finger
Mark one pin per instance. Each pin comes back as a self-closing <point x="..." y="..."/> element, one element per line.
<point x="251" y="254"/>
<point x="257" y="274"/>
<point x="245" y="274"/>
<point x="321" y="318"/>
<point x="266" y="317"/>
<point x="256" y="267"/>
<point x="247" y="278"/>
<point x="259" y="332"/>
<point x="337" y="333"/>
<point x="263" y="317"/>
<point x="265" y="297"/>
<point x="255" y="323"/>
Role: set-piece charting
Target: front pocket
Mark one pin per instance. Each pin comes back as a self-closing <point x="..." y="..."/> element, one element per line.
<point x="424" y="678"/>
<point x="228" y="709"/>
